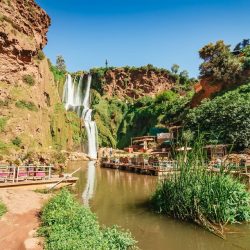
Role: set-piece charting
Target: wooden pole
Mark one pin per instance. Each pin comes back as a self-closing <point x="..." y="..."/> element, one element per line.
<point x="66" y="177"/>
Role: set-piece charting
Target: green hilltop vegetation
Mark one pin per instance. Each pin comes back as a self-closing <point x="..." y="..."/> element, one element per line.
<point x="219" y="118"/>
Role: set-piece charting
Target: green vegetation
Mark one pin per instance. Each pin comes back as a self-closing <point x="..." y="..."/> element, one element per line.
<point x="246" y="52"/>
<point x="3" y="209"/>
<point x="108" y="115"/>
<point x="3" y="121"/>
<point x="16" y="141"/>
<point x="147" y="113"/>
<point x="224" y="119"/>
<point x="29" y="79"/>
<point x="22" y="104"/>
<point x="175" y="68"/>
<point x="4" y="147"/>
<point x="76" y="125"/>
<point x="118" y="121"/>
<point x="202" y="197"/>
<point x="219" y="63"/>
<point x="59" y="77"/>
<point x="67" y="225"/>
<point x="60" y="64"/>
<point x="66" y="128"/>
<point x="40" y="55"/>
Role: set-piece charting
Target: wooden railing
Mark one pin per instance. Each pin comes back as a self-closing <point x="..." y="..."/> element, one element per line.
<point x="7" y="173"/>
<point x="30" y="172"/>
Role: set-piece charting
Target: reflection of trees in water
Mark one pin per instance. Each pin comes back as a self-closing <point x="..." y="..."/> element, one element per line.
<point x="128" y="181"/>
<point x="89" y="189"/>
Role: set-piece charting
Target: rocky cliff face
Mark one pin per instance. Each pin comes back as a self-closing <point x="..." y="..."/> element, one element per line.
<point x="134" y="82"/>
<point x="31" y="113"/>
<point x="23" y="29"/>
<point x="207" y="88"/>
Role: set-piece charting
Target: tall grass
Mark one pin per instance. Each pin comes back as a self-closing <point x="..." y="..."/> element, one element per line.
<point x="67" y="225"/>
<point x="3" y="209"/>
<point x="208" y="199"/>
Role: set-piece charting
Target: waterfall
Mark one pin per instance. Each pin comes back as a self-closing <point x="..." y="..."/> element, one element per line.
<point x="76" y="98"/>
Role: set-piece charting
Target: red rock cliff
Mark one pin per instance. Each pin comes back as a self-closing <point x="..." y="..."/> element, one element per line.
<point x="23" y="29"/>
<point x="30" y="107"/>
<point x="136" y="82"/>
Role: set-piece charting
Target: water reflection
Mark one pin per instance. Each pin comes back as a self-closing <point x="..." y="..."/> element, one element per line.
<point x="89" y="188"/>
<point x="119" y="198"/>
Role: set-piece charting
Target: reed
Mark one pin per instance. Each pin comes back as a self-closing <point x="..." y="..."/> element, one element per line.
<point x="208" y="199"/>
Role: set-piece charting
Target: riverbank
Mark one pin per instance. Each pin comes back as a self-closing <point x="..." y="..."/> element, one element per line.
<point x="19" y="225"/>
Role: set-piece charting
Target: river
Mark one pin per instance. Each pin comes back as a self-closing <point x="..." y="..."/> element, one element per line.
<point x="119" y="198"/>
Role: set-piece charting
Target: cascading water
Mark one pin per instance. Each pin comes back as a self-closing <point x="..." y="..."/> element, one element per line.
<point x="76" y="98"/>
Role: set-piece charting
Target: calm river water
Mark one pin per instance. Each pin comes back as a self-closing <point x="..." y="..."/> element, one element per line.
<point x="119" y="198"/>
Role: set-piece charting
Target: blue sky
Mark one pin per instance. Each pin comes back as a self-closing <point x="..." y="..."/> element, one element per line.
<point x="139" y="32"/>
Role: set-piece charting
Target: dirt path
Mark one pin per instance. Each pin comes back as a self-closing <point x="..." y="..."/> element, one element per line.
<point x="18" y="226"/>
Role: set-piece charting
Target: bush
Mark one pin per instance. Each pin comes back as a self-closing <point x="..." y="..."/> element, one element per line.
<point x="3" y="209"/>
<point x="16" y="141"/>
<point x="166" y="96"/>
<point x="59" y="157"/>
<point x="225" y="119"/>
<point x="67" y="225"/>
<point x="26" y="105"/>
<point x="29" y="79"/>
<point x="3" y="121"/>
<point x="40" y="55"/>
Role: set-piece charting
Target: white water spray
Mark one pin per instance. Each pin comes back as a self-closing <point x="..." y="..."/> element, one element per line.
<point x="74" y="99"/>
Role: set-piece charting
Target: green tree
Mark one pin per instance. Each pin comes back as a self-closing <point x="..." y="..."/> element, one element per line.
<point x="219" y="63"/>
<point x="60" y="63"/>
<point x="175" y="68"/>
<point x="184" y="74"/>
<point x="225" y="119"/>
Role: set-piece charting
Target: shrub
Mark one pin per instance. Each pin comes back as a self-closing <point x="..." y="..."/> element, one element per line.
<point x="226" y="118"/>
<point x="3" y="209"/>
<point x="26" y="105"/>
<point x="3" y="121"/>
<point x="59" y="77"/>
<point x="166" y="96"/>
<point x="67" y="225"/>
<point x="29" y="79"/>
<point x="3" y="145"/>
<point x="16" y="141"/>
<point x="59" y="157"/>
<point x="40" y="55"/>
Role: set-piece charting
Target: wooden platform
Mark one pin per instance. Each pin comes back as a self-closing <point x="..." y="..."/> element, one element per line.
<point x="142" y="169"/>
<point x="39" y="184"/>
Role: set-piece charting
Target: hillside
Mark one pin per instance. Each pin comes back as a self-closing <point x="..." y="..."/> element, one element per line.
<point x="32" y="117"/>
